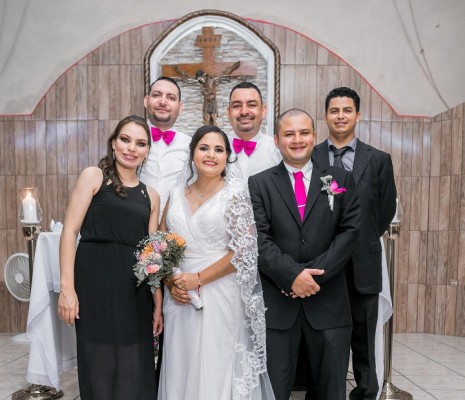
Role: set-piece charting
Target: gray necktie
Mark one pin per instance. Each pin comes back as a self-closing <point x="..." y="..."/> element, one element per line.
<point x="338" y="153"/>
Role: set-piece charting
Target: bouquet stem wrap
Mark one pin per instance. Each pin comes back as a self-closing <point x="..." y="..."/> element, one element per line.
<point x="196" y="300"/>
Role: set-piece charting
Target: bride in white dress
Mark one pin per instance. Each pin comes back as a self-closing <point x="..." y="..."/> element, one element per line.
<point x="217" y="353"/>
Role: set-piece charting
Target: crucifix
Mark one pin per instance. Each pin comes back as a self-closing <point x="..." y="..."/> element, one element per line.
<point x="209" y="72"/>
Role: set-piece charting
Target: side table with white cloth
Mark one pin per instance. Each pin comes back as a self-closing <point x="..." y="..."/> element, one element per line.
<point x="53" y="343"/>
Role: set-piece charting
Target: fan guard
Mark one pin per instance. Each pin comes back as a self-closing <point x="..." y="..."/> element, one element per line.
<point x="16" y="273"/>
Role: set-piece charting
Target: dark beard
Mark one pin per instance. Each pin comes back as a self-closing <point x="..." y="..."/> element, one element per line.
<point x="243" y="129"/>
<point x="157" y="119"/>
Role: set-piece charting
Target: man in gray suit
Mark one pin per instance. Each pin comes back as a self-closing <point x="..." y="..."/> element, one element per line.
<point x="374" y="179"/>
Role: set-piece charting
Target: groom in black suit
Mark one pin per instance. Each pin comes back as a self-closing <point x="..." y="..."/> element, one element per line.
<point x="307" y="231"/>
<point x="374" y="178"/>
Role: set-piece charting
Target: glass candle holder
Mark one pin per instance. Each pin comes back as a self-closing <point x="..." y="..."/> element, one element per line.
<point x="30" y="212"/>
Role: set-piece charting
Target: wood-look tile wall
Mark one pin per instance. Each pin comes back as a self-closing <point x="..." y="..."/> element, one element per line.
<point x="70" y="126"/>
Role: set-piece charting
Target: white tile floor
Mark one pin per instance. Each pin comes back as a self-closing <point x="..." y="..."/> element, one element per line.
<point x="427" y="366"/>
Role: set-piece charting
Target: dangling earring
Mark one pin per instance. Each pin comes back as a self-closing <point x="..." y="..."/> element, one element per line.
<point x="113" y="155"/>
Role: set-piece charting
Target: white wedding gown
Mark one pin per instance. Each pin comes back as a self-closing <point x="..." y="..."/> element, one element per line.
<point x="217" y="353"/>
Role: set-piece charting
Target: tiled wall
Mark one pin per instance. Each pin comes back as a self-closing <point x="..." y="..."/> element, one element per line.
<point x="69" y="128"/>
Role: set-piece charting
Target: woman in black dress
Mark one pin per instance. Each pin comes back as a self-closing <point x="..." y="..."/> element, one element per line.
<point x="115" y="319"/>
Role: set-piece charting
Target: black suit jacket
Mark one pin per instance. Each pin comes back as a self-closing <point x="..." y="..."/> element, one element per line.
<point x="374" y="179"/>
<point x="325" y="239"/>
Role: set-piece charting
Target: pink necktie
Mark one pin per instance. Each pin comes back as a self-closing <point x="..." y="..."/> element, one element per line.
<point x="300" y="195"/>
<point x="247" y="145"/>
<point x="157" y="134"/>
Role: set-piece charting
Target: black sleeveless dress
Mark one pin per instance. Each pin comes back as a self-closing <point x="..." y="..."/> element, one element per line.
<point x="114" y="332"/>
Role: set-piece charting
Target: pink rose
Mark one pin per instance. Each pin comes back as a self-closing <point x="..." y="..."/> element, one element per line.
<point x="152" y="269"/>
<point x="335" y="189"/>
<point x="163" y="246"/>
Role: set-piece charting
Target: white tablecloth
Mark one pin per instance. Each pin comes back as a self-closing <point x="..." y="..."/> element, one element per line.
<point x="53" y="343"/>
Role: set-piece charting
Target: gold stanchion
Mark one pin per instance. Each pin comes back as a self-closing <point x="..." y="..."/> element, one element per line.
<point x="390" y="391"/>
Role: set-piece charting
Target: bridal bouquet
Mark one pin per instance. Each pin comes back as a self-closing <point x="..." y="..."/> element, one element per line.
<point x="157" y="257"/>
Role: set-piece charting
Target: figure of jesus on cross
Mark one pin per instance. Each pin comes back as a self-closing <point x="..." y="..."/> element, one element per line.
<point x="208" y="84"/>
<point x="209" y="73"/>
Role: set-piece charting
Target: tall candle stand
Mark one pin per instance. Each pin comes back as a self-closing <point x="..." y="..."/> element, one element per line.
<point x="390" y="391"/>
<point x="30" y="215"/>
<point x="31" y="232"/>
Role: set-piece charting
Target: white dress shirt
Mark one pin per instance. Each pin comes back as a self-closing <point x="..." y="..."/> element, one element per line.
<point x="265" y="155"/>
<point x="164" y="164"/>
<point x="349" y="156"/>
<point x="306" y="170"/>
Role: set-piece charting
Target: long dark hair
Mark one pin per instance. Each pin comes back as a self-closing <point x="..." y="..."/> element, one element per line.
<point x="108" y="164"/>
<point x="198" y="135"/>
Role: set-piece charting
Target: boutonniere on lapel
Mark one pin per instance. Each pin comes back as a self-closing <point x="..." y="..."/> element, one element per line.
<point x="331" y="187"/>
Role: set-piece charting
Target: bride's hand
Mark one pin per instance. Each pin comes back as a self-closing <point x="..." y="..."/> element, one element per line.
<point x="168" y="281"/>
<point x="180" y="295"/>
<point x="185" y="281"/>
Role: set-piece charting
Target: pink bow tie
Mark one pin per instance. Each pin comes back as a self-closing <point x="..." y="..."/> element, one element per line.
<point x="247" y="145"/>
<point x="157" y="134"/>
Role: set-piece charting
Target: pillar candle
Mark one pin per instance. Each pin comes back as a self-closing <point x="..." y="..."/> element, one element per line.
<point x="29" y="210"/>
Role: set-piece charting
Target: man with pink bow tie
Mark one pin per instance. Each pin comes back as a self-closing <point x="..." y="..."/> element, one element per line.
<point x="170" y="149"/>
<point x="255" y="150"/>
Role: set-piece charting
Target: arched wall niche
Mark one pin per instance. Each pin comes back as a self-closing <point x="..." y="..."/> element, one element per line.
<point x="239" y="42"/>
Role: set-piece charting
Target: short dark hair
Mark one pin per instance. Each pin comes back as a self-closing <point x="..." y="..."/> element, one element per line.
<point x="246" y="85"/>
<point x="290" y="113"/>
<point x="343" y="92"/>
<point x="197" y="136"/>
<point x="166" y="78"/>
